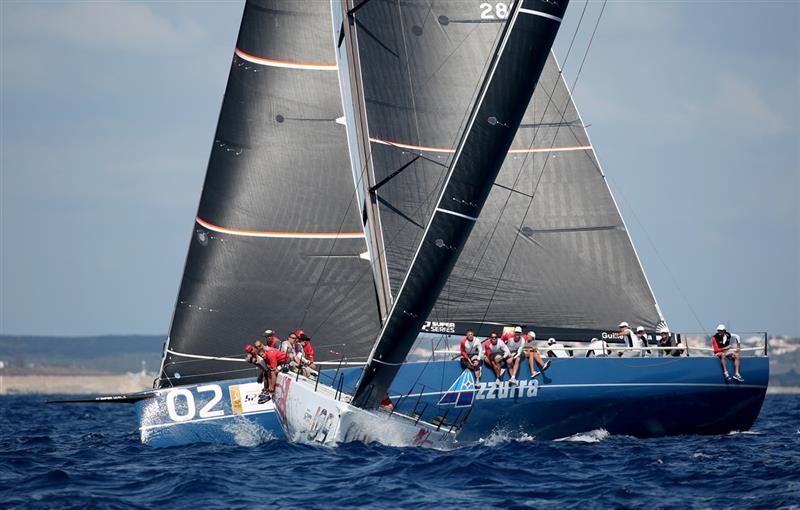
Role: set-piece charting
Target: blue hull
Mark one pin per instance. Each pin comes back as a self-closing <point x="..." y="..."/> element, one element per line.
<point x="642" y="397"/>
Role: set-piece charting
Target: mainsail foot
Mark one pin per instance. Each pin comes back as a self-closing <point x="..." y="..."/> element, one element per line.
<point x="318" y="414"/>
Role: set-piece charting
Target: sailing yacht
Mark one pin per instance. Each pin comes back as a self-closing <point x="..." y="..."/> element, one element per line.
<point x="375" y="182"/>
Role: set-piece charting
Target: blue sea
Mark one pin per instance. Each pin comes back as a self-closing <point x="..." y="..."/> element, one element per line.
<point x="89" y="456"/>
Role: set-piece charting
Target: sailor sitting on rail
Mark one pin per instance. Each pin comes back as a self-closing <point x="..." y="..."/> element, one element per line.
<point x="471" y="354"/>
<point x="642" y="336"/>
<point x="532" y="354"/>
<point x="515" y="343"/>
<point x="555" y="349"/>
<point x="308" y="350"/>
<point x="665" y="340"/>
<point x="598" y="348"/>
<point x="496" y="352"/>
<point x="272" y="339"/>
<point x="723" y="348"/>
<point x="288" y="348"/>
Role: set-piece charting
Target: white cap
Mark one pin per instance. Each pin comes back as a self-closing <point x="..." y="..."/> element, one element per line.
<point x="269" y="332"/>
<point x="551" y="341"/>
<point x="721" y="327"/>
<point x="531" y="334"/>
<point x="640" y="329"/>
<point x="623" y="325"/>
<point x="518" y="330"/>
<point x="663" y="330"/>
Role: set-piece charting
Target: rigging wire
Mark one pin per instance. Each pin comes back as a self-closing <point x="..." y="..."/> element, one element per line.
<point x="522" y="168"/>
<point x="547" y="158"/>
<point x="661" y="259"/>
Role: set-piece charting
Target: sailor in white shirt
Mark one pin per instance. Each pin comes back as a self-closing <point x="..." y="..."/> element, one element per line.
<point x="598" y="348"/>
<point x="631" y="340"/>
<point x="532" y="353"/>
<point x="496" y="352"/>
<point x="515" y="343"/>
<point x="555" y="349"/>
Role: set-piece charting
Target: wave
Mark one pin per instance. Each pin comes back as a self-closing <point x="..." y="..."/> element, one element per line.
<point x="504" y="435"/>
<point x="593" y="436"/>
<point x="248" y="433"/>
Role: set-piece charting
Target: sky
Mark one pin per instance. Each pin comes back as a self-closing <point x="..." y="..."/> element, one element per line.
<point x="108" y="112"/>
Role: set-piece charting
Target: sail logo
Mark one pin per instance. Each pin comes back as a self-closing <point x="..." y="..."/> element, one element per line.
<point x="439" y="327"/>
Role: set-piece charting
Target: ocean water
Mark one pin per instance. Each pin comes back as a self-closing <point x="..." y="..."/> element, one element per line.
<point x="89" y="456"/>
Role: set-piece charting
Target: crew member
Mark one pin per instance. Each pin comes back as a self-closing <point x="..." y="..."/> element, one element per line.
<point x="515" y="344"/>
<point x="598" y="348"/>
<point x="254" y="357"/>
<point x="272" y="339"/>
<point x="642" y="336"/>
<point x="471" y="354"/>
<point x="630" y="340"/>
<point x="721" y="342"/>
<point x="555" y="349"/>
<point x="386" y="403"/>
<point x="495" y="353"/>
<point x="308" y="351"/>
<point x="288" y="347"/>
<point x="665" y="340"/>
<point x="532" y="353"/>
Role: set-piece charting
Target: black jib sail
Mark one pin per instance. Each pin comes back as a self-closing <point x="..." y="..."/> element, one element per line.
<point x="278" y="241"/>
<point x="505" y="92"/>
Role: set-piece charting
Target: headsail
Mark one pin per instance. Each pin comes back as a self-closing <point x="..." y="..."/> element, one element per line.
<point x="278" y="240"/>
<point x="515" y="67"/>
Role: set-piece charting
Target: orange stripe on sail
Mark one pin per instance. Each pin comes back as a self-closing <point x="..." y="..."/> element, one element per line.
<point x="284" y="63"/>
<point x="285" y="235"/>
<point x="424" y="148"/>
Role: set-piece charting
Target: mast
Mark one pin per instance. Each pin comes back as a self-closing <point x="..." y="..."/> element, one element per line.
<point x="504" y="95"/>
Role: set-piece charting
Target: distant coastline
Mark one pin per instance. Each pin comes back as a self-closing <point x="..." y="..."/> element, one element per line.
<point x="94" y="384"/>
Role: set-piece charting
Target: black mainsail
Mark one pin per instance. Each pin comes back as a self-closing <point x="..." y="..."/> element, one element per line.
<point x="506" y="91"/>
<point x="278" y="242"/>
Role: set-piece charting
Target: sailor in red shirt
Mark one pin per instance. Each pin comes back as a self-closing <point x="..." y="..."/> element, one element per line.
<point x="721" y="342"/>
<point x="272" y="339"/>
<point x="267" y="360"/>
<point x="308" y="351"/>
<point x="386" y="402"/>
<point x="471" y="354"/>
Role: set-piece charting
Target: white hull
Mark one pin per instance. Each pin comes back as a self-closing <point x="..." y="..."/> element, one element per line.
<point x="315" y="416"/>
